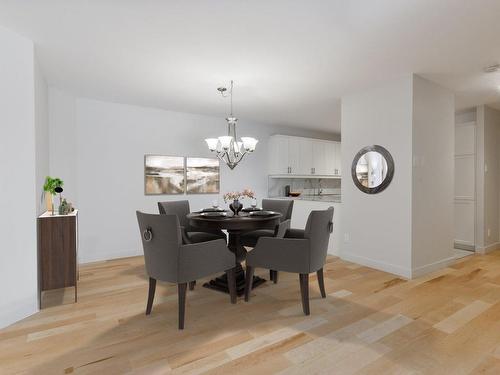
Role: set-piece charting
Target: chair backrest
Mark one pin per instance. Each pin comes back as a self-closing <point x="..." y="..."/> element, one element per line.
<point x="283" y="206"/>
<point x="319" y="226"/>
<point x="161" y="241"/>
<point x="179" y="208"/>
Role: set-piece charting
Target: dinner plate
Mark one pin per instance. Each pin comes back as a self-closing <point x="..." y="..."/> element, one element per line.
<point x="213" y="209"/>
<point x="251" y="209"/>
<point x="214" y="214"/>
<point x="262" y="213"/>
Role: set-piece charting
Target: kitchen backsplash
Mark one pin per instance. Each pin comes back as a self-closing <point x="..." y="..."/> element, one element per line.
<point x="306" y="186"/>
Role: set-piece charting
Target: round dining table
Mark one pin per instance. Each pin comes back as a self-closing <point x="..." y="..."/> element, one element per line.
<point x="235" y="225"/>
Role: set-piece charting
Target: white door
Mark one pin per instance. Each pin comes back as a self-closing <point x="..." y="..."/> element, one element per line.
<point x="465" y="185"/>
<point x="278" y="155"/>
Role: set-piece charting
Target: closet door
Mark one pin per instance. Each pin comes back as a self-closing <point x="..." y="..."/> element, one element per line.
<point x="465" y="185"/>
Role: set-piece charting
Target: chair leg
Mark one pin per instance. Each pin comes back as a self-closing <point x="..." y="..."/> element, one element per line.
<point x="231" y="283"/>
<point x="192" y="284"/>
<point x="273" y="276"/>
<point x="321" y="282"/>
<point x="248" y="282"/>
<point x="304" y="291"/>
<point x="181" y="290"/>
<point x="151" y="295"/>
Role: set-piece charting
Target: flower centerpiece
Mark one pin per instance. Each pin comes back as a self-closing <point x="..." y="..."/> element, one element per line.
<point x="235" y="197"/>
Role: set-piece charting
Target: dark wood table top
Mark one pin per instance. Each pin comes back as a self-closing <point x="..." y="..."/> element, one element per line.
<point x="243" y="221"/>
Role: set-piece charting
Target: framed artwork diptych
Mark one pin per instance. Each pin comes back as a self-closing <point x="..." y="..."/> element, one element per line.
<point x="164" y="175"/>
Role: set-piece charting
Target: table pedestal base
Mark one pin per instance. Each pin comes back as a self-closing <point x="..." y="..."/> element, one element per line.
<point x="220" y="283"/>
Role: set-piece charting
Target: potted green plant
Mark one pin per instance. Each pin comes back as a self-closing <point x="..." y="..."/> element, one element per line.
<point x="50" y="186"/>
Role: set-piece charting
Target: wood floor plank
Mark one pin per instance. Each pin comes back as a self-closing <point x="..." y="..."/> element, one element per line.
<point x="461" y="317"/>
<point x="385" y="328"/>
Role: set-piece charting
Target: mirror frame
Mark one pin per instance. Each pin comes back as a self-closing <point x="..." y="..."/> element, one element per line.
<point x="390" y="169"/>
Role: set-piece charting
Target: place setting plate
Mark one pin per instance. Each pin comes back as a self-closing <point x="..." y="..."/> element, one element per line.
<point x="214" y="214"/>
<point x="251" y="209"/>
<point x="212" y="209"/>
<point x="262" y="213"/>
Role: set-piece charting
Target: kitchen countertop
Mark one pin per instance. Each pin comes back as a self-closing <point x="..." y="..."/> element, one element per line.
<point x="335" y="198"/>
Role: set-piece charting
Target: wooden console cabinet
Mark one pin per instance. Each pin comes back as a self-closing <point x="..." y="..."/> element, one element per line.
<point x="57" y="252"/>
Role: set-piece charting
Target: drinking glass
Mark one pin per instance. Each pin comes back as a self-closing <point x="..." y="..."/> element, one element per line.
<point x="254" y="202"/>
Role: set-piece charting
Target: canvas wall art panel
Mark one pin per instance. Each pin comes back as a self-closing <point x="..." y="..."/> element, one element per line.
<point x="202" y="175"/>
<point x="164" y="175"/>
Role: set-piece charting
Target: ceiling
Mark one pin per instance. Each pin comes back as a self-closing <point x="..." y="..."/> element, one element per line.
<point x="291" y="60"/>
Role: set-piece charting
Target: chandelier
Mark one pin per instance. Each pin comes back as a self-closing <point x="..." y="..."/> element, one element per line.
<point x="227" y="147"/>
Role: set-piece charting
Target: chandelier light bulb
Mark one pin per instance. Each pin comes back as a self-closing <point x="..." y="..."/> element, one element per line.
<point x="212" y="143"/>
<point x="249" y="143"/>
<point x="225" y="141"/>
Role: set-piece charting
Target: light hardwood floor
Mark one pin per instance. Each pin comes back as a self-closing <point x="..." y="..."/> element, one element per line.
<point x="370" y="323"/>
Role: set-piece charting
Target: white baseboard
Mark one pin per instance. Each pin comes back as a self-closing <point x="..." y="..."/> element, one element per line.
<point x="382" y="266"/>
<point x="488" y="249"/>
<point x="333" y="251"/>
<point x="422" y="270"/>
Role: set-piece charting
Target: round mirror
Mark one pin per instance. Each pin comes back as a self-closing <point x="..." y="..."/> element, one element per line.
<point x="372" y="169"/>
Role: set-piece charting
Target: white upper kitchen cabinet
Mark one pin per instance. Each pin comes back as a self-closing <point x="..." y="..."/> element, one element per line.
<point x="338" y="159"/>
<point x="333" y="158"/>
<point x="303" y="156"/>
<point x="294" y="155"/>
<point x="278" y="155"/>
<point x="320" y="158"/>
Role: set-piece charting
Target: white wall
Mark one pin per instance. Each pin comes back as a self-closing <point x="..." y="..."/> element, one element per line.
<point x="102" y="164"/>
<point x="41" y="135"/>
<point x="433" y="176"/>
<point x="378" y="226"/>
<point x="62" y="132"/>
<point x="18" y="261"/>
<point x="408" y="228"/>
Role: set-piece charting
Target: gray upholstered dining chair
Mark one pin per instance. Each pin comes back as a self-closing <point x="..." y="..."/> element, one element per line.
<point x="167" y="259"/>
<point x="303" y="254"/>
<point x="189" y="234"/>
<point x="285" y="208"/>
